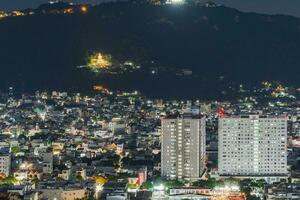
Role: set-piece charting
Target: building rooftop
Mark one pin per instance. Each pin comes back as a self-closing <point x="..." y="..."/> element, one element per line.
<point x="255" y="116"/>
<point x="185" y="115"/>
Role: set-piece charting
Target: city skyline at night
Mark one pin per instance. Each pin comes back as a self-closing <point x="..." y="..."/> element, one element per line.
<point x="150" y="100"/>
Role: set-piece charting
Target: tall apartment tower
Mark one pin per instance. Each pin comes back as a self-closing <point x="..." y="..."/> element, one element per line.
<point x="253" y="146"/>
<point x="183" y="147"/>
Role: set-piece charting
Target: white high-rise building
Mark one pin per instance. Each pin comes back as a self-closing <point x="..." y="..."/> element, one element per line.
<point x="253" y="146"/>
<point x="5" y="163"/>
<point x="183" y="147"/>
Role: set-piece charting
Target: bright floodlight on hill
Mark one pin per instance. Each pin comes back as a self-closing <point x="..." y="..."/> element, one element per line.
<point x="177" y="1"/>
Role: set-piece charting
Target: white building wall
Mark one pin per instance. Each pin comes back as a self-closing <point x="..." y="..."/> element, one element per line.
<point x="252" y="146"/>
<point x="183" y="148"/>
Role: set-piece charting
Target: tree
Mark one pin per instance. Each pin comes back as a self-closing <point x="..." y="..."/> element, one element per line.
<point x="148" y="185"/>
<point x="210" y="183"/>
<point x="15" y="149"/>
<point x="172" y="184"/>
<point x="259" y="183"/>
<point x="252" y="197"/>
<point x="10" y="180"/>
<point x="232" y="181"/>
<point x="35" y="180"/>
<point x="79" y="178"/>
<point x="200" y="183"/>
<point x="245" y="186"/>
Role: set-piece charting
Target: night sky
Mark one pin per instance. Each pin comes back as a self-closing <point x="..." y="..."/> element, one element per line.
<point x="289" y="7"/>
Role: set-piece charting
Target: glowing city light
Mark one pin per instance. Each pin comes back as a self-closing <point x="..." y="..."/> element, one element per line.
<point x="83" y="9"/>
<point x="159" y="187"/>
<point x="99" y="61"/>
<point x="69" y="11"/>
<point x="177" y="1"/>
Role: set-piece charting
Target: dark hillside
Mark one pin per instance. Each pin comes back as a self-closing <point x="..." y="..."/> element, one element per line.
<point x="42" y="51"/>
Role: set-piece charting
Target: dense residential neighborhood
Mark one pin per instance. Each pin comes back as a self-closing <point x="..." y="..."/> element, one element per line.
<point x="56" y="145"/>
